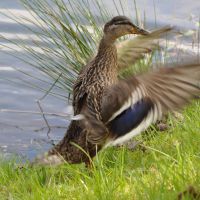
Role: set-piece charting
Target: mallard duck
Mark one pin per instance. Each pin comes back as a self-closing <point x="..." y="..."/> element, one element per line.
<point x="110" y="111"/>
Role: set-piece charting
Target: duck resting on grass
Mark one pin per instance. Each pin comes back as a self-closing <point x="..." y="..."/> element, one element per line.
<point x="109" y="111"/>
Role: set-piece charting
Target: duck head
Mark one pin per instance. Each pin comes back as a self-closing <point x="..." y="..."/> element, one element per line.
<point x="120" y="26"/>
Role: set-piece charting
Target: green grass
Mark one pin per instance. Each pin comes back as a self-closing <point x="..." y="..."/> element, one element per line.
<point x="170" y="163"/>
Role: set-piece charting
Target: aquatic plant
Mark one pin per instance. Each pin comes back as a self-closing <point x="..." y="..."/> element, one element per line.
<point x="65" y="37"/>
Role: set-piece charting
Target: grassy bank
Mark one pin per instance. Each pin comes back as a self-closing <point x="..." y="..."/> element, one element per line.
<point x="167" y="164"/>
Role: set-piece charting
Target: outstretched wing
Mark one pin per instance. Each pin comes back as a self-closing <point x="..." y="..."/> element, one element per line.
<point x="132" y="105"/>
<point x="130" y="51"/>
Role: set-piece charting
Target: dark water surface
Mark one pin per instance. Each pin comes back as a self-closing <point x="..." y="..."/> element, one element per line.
<point x="24" y="134"/>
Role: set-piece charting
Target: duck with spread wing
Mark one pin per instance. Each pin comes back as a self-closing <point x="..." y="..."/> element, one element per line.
<point x="109" y="111"/>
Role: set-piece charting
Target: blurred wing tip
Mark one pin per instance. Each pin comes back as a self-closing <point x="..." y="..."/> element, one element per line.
<point x="78" y="117"/>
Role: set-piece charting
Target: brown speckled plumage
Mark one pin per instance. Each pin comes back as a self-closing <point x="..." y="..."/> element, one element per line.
<point x="88" y="90"/>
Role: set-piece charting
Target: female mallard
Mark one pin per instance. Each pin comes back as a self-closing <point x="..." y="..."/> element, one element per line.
<point x="116" y="110"/>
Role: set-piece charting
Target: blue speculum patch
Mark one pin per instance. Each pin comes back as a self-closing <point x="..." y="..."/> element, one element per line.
<point x="130" y="118"/>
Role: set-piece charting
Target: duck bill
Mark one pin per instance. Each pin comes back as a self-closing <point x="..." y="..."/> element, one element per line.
<point x="139" y="31"/>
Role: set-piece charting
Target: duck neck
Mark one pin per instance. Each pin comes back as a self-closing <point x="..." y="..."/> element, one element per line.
<point x="107" y="46"/>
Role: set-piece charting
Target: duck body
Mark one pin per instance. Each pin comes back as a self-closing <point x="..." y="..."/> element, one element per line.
<point x="97" y="75"/>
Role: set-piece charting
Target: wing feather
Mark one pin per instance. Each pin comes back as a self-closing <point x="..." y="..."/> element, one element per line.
<point x="130" y="51"/>
<point x="168" y="89"/>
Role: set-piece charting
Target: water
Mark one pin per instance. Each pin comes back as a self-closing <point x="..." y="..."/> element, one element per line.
<point x="25" y="134"/>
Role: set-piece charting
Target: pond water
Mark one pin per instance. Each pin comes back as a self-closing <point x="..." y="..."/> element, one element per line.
<point x="26" y="134"/>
